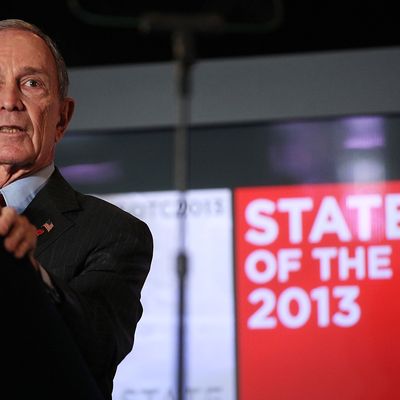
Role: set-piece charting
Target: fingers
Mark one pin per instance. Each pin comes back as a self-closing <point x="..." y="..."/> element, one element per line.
<point x="19" y="234"/>
<point x="7" y="216"/>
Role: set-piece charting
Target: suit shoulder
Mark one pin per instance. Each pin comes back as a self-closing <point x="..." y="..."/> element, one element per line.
<point x="104" y="210"/>
<point x="92" y="201"/>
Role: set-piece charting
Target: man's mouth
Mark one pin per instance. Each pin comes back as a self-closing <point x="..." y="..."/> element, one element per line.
<point x="11" y="129"/>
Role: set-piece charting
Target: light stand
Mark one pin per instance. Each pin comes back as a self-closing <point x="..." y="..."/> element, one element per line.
<point x="183" y="52"/>
<point x="182" y="30"/>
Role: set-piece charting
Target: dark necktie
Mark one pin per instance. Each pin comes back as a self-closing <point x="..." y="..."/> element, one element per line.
<point x="2" y="201"/>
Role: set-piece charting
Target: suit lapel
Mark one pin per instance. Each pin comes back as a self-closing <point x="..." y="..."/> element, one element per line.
<point x="53" y="203"/>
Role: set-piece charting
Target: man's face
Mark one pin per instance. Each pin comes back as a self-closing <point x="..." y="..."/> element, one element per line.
<point x="32" y="116"/>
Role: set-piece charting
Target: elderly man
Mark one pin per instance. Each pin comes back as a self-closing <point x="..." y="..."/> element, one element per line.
<point x="73" y="265"/>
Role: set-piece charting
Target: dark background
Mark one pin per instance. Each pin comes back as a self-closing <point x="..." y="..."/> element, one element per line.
<point x="301" y="26"/>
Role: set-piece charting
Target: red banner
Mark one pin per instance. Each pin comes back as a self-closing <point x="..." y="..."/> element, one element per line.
<point x="317" y="291"/>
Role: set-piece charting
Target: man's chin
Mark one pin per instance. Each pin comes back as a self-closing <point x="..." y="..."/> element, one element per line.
<point x="15" y="161"/>
<point x="16" y="153"/>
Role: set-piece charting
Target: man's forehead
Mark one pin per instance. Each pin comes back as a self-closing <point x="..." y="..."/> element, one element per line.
<point x="29" y="49"/>
<point x="24" y="41"/>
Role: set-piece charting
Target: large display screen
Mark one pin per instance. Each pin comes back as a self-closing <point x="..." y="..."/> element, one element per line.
<point x="317" y="277"/>
<point x="292" y="237"/>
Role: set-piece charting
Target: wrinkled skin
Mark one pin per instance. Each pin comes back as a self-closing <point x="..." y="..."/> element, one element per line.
<point x="33" y="119"/>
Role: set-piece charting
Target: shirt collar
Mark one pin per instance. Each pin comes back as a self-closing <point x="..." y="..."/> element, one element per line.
<point x="21" y="192"/>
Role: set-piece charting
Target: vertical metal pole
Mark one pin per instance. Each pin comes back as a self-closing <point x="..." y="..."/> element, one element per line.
<point x="182" y="46"/>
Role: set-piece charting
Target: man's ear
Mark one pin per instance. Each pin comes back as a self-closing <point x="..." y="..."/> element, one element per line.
<point x="66" y="110"/>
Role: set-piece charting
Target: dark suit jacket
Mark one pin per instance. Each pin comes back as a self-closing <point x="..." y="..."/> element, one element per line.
<point x="98" y="257"/>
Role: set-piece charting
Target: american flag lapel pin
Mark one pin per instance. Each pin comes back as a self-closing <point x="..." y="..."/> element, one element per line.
<point x="46" y="227"/>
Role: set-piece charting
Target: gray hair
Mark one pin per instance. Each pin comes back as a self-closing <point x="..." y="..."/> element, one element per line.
<point x="62" y="73"/>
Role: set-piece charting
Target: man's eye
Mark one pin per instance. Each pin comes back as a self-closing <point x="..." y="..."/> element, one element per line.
<point x="32" y="83"/>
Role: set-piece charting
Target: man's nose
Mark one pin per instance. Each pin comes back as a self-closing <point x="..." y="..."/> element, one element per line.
<point x="10" y="98"/>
